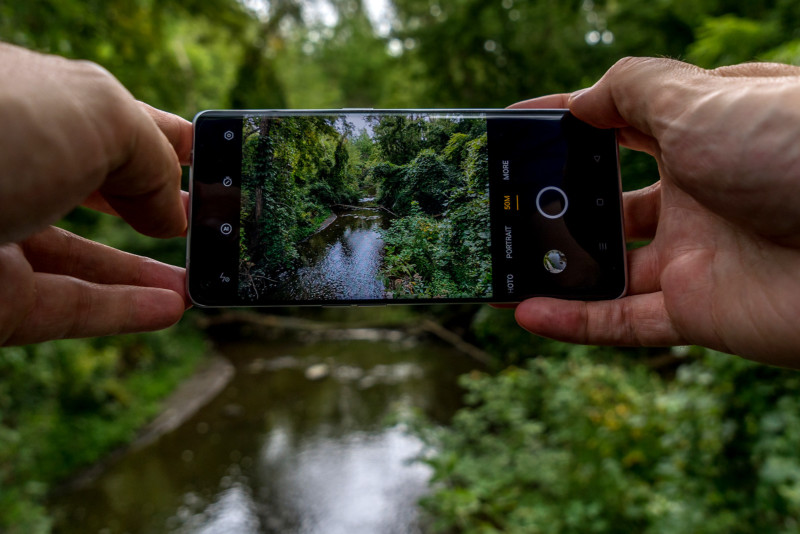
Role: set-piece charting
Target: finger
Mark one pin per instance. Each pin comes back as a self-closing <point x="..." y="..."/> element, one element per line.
<point x="638" y="320"/>
<point x="558" y="101"/>
<point x="638" y="92"/>
<point x="628" y="137"/>
<point x="177" y="130"/>
<point x="96" y="202"/>
<point x="644" y="272"/>
<point x="67" y="307"/>
<point x="756" y="70"/>
<point x="185" y="203"/>
<point x="57" y="251"/>
<point x="641" y="209"/>
<point x="632" y="138"/>
<point x="144" y="187"/>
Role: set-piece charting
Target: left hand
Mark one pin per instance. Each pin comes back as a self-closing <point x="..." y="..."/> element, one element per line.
<point x="59" y="285"/>
<point x="79" y="137"/>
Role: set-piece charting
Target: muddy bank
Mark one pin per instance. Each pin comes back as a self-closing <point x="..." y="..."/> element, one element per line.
<point x="327" y="222"/>
<point x="190" y="396"/>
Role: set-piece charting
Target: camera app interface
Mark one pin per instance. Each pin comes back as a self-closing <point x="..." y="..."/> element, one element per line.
<point x="363" y="207"/>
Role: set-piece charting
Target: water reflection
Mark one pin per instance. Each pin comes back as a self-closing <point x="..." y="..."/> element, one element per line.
<point x="278" y="452"/>
<point x="342" y="261"/>
<point x="232" y="513"/>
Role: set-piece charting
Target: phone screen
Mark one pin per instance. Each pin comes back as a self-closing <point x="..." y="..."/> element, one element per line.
<point x="374" y="207"/>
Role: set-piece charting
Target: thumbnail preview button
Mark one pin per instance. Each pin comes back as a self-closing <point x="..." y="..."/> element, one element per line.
<point x="226" y="229"/>
<point x="555" y="261"/>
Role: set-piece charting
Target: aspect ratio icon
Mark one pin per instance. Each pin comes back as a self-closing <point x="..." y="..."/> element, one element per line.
<point x="225" y="229"/>
<point x="228" y="135"/>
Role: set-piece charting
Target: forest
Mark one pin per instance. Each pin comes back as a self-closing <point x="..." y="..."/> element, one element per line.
<point x="429" y="175"/>
<point x="552" y="437"/>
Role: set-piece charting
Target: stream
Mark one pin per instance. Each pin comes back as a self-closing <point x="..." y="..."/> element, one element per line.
<point x="304" y="439"/>
<point x="341" y="261"/>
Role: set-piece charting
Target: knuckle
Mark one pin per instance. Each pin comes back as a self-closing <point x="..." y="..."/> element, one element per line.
<point x="625" y="62"/>
<point x="628" y="63"/>
<point x="101" y="84"/>
<point x="90" y="68"/>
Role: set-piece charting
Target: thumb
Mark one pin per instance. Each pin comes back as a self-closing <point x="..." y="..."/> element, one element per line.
<point x="635" y="92"/>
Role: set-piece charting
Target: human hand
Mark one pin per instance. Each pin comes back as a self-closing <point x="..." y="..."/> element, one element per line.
<point x="71" y="131"/>
<point x="58" y="285"/>
<point x="72" y="134"/>
<point x="723" y="266"/>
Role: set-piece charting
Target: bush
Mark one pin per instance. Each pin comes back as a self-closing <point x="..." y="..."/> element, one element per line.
<point x="65" y="404"/>
<point x="570" y="445"/>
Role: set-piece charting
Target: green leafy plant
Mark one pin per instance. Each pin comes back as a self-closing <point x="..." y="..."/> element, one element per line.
<point x="567" y="445"/>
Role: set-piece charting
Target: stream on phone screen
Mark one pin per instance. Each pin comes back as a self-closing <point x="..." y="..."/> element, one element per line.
<point x="341" y="261"/>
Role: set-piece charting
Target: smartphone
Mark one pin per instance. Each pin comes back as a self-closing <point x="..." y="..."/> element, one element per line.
<point x="363" y="206"/>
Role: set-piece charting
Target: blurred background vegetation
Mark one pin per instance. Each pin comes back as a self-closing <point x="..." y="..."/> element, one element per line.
<point x="577" y="440"/>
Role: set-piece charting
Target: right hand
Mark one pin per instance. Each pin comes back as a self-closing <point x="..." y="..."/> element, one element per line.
<point x="723" y="267"/>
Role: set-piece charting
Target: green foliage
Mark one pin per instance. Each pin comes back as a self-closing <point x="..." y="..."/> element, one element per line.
<point x="428" y="181"/>
<point x="439" y="246"/>
<point x="785" y="53"/>
<point x="63" y="405"/>
<point x="294" y="171"/>
<point x="399" y="138"/>
<point x="576" y="445"/>
<point x="729" y="39"/>
<point x="393" y="191"/>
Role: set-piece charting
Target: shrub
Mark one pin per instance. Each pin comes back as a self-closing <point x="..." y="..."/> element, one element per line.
<point x="571" y="445"/>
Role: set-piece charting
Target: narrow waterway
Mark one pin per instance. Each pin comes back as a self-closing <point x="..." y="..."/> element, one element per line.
<point x="343" y="260"/>
<point x="304" y="439"/>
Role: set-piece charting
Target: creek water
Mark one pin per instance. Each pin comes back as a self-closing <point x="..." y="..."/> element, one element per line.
<point x="304" y="439"/>
<point x="341" y="261"/>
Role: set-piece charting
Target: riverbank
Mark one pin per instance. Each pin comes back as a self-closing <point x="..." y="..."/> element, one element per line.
<point x="72" y="402"/>
<point x="327" y="222"/>
<point x="210" y="377"/>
